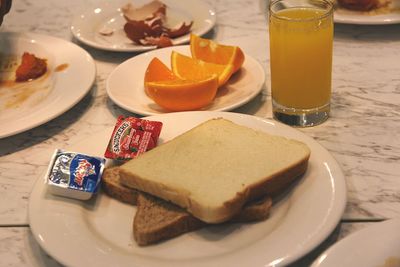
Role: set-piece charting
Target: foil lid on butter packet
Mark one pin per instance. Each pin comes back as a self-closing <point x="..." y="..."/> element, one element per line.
<point x="132" y="137"/>
<point x="74" y="175"/>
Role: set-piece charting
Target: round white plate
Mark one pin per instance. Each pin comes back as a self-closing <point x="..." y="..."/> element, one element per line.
<point x="125" y="85"/>
<point x="374" y="246"/>
<point x="375" y="17"/>
<point x="86" y="26"/>
<point x="101" y="229"/>
<point x="71" y="73"/>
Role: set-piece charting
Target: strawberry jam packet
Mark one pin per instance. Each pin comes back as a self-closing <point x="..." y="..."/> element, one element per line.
<point x="132" y="137"/>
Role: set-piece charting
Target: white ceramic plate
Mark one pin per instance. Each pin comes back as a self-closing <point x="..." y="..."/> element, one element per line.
<point x="125" y="84"/>
<point x="374" y="246"/>
<point x="71" y="72"/>
<point x="375" y="17"/>
<point x="101" y="229"/>
<point x="86" y="26"/>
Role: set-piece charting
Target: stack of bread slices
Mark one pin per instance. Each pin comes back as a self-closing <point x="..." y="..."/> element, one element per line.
<point x="217" y="172"/>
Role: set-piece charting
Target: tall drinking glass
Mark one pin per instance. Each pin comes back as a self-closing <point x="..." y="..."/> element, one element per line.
<point x="301" y="40"/>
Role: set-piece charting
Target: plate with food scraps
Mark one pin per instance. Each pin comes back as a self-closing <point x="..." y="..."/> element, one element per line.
<point x="377" y="12"/>
<point x="102" y="227"/>
<point x="125" y="87"/>
<point x="108" y="25"/>
<point x="61" y="75"/>
<point x="376" y="245"/>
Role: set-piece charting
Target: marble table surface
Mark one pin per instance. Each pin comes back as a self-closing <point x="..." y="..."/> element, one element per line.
<point x="362" y="132"/>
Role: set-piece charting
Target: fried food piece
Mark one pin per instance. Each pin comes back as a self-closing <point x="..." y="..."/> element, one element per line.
<point x="361" y="5"/>
<point x="31" y="67"/>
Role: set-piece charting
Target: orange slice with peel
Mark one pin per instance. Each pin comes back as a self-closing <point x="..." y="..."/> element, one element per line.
<point x="189" y="68"/>
<point x="181" y="95"/>
<point x="157" y="71"/>
<point x="210" y="51"/>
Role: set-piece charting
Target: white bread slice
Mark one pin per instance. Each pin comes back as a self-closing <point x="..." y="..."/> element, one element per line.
<point x="213" y="169"/>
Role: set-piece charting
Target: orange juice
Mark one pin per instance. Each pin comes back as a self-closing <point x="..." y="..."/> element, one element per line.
<point x="301" y="57"/>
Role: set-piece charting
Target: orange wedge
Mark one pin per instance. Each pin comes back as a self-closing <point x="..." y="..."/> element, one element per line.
<point x="157" y="71"/>
<point x="181" y="95"/>
<point x="189" y="68"/>
<point x="210" y="51"/>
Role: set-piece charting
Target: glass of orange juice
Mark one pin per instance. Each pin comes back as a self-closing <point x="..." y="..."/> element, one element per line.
<point x="301" y="40"/>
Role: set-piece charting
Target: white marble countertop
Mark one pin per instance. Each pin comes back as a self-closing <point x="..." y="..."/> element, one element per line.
<point x="362" y="132"/>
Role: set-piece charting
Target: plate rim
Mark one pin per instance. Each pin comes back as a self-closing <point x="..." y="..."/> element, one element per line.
<point x="79" y="96"/>
<point x="75" y="32"/>
<point x="360" y="19"/>
<point x="319" y="262"/>
<point x="142" y="112"/>
<point x="339" y="196"/>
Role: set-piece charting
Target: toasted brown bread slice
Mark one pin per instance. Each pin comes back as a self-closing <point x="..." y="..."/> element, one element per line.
<point x="254" y="211"/>
<point x="157" y="220"/>
<point x="112" y="186"/>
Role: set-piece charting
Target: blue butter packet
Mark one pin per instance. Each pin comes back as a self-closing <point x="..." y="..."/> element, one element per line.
<point x="74" y="175"/>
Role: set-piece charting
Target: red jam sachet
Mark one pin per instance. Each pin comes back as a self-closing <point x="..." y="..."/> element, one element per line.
<point x="132" y="137"/>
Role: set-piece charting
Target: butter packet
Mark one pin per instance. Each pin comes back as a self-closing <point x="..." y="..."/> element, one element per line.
<point x="74" y="175"/>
